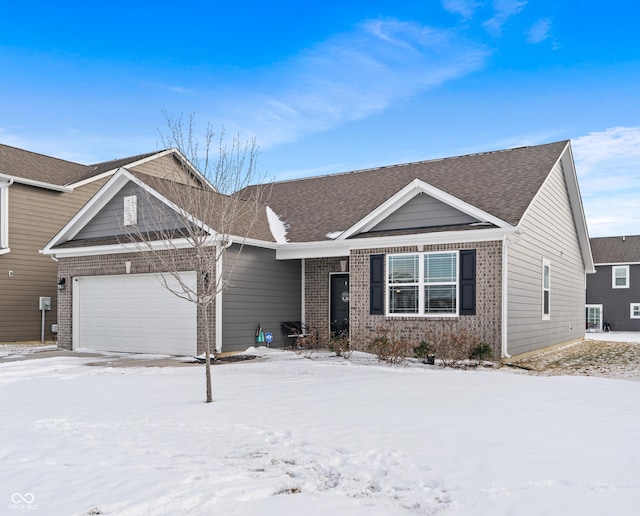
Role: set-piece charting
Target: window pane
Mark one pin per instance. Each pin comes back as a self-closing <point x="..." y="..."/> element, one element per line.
<point x="621" y="277"/>
<point x="440" y="299"/>
<point x="403" y="300"/>
<point x="545" y="308"/>
<point x="440" y="267"/>
<point x="546" y="277"/>
<point x="403" y="269"/>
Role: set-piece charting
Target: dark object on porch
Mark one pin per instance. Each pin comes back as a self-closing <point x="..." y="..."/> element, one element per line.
<point x="607" y="326"/>
<point x="292" y="331"/>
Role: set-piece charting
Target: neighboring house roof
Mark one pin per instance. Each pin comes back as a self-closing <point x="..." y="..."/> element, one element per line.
<point x="616" y="249"/>
<point x="501" y="183"/>
<point x="46" y="171"/>
<point x="31" y="166"/>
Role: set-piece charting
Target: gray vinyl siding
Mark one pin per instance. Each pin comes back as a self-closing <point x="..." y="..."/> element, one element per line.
<point x="615" y="301"/>
<point x="423" y="211"/>
<point x="549" y="232"/>
<point x="152" y="215"/>
<point x="262" y="290"/>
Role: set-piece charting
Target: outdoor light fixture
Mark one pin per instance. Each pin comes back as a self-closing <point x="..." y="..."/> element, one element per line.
<point x="61" y="283"/>
<point x="345" y="293"/>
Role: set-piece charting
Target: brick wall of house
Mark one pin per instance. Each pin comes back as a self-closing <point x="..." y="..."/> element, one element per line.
<point x="485" y="325"/>
<point x="114" y="264"/>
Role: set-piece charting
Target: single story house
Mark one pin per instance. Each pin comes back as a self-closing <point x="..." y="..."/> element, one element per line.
<point x="493" y="243"/>
<point x="613" y="292"/>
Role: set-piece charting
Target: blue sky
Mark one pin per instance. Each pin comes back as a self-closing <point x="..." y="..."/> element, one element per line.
<point x="334" y="86"/>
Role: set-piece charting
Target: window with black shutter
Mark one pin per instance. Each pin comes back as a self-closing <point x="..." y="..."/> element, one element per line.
<point x="376" y="284"/>
<point x="468" y="282"/>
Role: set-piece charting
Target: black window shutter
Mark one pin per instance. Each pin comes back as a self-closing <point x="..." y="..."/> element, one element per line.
<point x="376" y="285"/>
<point x="468" y="282"/>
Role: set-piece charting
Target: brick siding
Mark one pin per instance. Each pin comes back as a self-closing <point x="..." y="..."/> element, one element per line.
<point x="486" y="325"/>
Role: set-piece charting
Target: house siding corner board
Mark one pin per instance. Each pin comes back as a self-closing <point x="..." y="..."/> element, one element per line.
<point x="549" y="233"/>
<point x="486" y="324"/>
<point x="113" y="264"/>
<point x="262" y="290"/>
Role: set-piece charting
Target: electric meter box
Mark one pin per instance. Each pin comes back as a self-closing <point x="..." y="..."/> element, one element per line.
<point x="45" y="303"/>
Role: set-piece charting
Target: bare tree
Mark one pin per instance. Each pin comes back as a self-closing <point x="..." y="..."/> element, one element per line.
<point x="205" y="218"/>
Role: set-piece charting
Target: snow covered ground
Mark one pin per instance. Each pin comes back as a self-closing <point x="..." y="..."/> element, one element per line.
<point x="288" y="435"/>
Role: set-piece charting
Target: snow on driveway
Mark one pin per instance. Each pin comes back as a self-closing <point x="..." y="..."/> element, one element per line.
<point x="287" y="435"/>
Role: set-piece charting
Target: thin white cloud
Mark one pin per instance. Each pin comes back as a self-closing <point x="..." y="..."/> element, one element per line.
<point x="464" y="8"/>
<point x="504" y="9"/>
<point x="180" y="89"/>
<point x="540" y="31"/>
<point x="608" y="166"/>
<point x="348" y="77"/>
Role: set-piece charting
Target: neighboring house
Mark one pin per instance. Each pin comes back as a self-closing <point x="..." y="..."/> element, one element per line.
<point x="494" y="244"/>
<point x="613" y="292"/>
<point x="38" y="195"/>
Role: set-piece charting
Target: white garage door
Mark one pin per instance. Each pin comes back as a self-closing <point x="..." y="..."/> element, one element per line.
<point x="133" y="313"/>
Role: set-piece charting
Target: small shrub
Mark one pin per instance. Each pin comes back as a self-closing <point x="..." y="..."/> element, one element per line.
<point x="308" y="344"/>
<point x="454" y="346"/>
<point x="340" y="345"/>
<point x="388" y="348"/>
<point x="425" y="352"/>
<point x="481" y="352"/>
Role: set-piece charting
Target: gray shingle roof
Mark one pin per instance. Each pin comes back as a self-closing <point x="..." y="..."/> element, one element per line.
<point x="502" y="183"/>
<point x="616" y="249"/>
<point x="38" y="167"/>
<point x="29" y="165"/>
<point x="214" y="208"/>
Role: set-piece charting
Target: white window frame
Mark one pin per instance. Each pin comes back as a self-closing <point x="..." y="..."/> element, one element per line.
<point x="633" y="307"/>
<point x="130" y="211"/>
<point x="4" y="216"/>
<point x="546" y="289"/>
<point x="613" y="276"/>
<point x="421" y="284"/>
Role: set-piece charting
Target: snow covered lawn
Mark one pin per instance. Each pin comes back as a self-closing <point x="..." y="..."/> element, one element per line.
<point x="287" y="435"/>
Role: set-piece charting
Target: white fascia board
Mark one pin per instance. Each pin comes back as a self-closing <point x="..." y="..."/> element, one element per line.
<point x="37" y="184"/>
<point x="416" y="187"/>
<point x="124" y="247"/>
<point x="616" y="263"/>
<point x="334" y="248"/>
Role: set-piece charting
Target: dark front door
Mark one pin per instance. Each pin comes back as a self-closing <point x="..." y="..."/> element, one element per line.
<point x="339" y="307"/>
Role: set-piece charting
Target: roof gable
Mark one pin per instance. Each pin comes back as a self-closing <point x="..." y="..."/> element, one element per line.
<point x="98" y="223"/>
<point x="420" y="205"/>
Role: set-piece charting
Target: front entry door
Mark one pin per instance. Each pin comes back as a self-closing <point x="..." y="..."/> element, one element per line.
<point x="339" y="303"/>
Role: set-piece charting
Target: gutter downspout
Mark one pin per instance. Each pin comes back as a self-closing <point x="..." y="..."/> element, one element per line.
<point x="505" y="251"/>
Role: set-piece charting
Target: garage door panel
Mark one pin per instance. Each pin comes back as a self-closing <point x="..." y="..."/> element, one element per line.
<point x="133" y="313"/>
